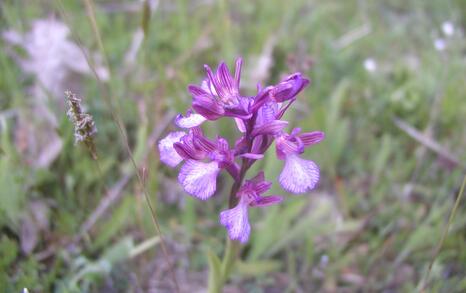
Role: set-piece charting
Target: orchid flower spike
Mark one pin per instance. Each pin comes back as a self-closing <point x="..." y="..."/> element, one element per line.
<point x="259" y="121"/>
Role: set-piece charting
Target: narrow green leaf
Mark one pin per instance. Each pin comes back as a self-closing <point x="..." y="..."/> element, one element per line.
<point x="215" y="273"/>
<point x="146" y="13"/>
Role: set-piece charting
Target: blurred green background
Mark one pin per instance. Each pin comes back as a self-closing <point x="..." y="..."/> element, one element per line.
<point x="388" y="88"/>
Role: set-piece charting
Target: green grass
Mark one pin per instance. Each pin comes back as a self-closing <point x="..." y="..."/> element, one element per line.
<point x="383" y="201"/>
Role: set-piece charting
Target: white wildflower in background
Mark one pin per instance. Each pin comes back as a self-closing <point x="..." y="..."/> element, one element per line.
<point x="51" y="57"/>
<point x="261" y="65"/>
<point x="448" y="28"/>
<point x="370" y="65"/>
<point x="36" y="137"/>
<point x="324" y="260"/>
<point x="440" y="44"/>
<point x="56" y="63"/>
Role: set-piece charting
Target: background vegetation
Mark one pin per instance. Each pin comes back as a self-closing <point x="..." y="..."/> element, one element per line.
<point x="388" y="88"/>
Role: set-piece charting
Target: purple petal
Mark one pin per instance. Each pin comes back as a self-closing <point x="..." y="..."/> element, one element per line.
<point x="262" y="187"/>
<point x="286" y="145"/>
<point x="266" y="201"/>
<point x="168" y="154"/>
<point x="267" y="113"/>
<point x="295" y="131"/>
<point x="258" y="144"/>
<point x="227" y="82"/>
<point x="224" y="84"/>
<point x="298" y="175"/>
<point x="197" y="91"/>
<point x="255" y="186"/>
<point x="240" y="125"/>
<point x="199" y="179"/>
<point x="191" y="120"/>
<point x="241" y="145"/>
<point x="187" y="151"/>
<point x="261" y="98"/>
<point x="310" y="138"/>
<point x="222" y="144"/>
<point x="203" y="143"/>
<point x="206" y="85"/>
<point x="237" y="112"/>
<point x="236" y="222"/>
<point x="289" y="88"/>
<point x="252" y="156"/>
<point x="273" y="127"/>
<point x="208" y="107"/>
<point x="284" y="108"/>
<point x="210" y="74"/>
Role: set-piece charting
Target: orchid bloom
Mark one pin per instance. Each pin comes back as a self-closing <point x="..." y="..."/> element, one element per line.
<point x="298" y="175"/>
<point x="259" y="121"/>
<point x="198" y="177"/>
<point x="236" y="219"/>
<point x="219" y="94"/>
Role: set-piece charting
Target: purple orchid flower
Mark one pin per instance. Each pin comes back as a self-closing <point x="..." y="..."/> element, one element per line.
<point x="236" y="219"/>
<point x="190" y="120"/>
<point x="259" y="120"/>
<point x="298" y="175"/>
<point x="219" y="94"/>
<point x="168" y="154"/>
<point x="197" y="177"/>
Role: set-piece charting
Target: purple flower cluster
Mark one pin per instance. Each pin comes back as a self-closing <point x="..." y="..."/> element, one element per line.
<point x="258" y="118"/>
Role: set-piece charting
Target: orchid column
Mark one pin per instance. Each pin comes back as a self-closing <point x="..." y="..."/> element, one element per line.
<point x="259" y="121"/>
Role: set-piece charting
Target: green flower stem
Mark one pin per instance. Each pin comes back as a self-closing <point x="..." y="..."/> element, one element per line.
<point x="229" y="258"/>
<point x="220" y="272"/>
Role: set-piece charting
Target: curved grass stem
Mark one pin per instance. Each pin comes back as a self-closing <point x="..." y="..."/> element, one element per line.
<point x="105" y="90"/>
<point x="444" y="235"/>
